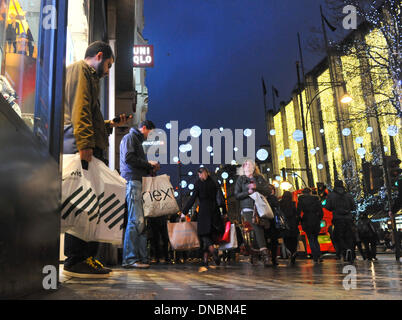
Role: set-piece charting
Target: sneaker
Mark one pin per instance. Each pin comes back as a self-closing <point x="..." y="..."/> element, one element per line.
<point x="97" y="262"/>
<point x="86" y="269"/>
<point x="136" y="265"/>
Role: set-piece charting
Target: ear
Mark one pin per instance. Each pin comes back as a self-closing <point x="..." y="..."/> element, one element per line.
<point x="99" y="56"/>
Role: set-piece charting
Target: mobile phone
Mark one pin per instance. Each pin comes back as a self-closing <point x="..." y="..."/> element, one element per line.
<point x="84" y="164"/>
<point x="117" y="119"/>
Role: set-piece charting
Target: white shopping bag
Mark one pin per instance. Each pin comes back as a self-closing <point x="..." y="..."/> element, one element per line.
<point x="233" y="239"/>
<point x="158" y="196"/>
<point x="262" y="205"/>
<point x="93" y="201"/>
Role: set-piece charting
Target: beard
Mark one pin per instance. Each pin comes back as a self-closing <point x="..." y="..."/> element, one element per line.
<point x="99" y="69"/>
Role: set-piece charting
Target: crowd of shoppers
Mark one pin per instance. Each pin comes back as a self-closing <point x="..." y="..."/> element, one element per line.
<point x="86" y="133"/>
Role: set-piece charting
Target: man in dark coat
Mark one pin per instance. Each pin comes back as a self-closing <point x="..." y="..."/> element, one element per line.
<point x="209" y="219"/>
<point x="312" y="215"/>
<point x="134" y="166"/>
<point x="342" y="204"/>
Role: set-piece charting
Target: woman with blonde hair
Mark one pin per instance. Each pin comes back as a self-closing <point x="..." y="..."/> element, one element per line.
<point x="250" y="180"/>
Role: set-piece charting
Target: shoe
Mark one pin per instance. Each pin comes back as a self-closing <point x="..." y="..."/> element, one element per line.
<point x="293" y="258"/>
<point x="202" y="269"/>
<point x="86" y="269"/>
<point x="97" y="262"/>
<point x="136" y="265"/>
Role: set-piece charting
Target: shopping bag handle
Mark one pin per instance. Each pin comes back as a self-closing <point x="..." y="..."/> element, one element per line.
<point x="84" y="164"/>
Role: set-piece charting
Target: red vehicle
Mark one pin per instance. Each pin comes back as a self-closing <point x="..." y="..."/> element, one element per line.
<point x="324" y="238"/>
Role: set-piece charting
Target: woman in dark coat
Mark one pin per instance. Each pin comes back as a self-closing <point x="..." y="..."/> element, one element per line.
<point x="291" y="236"/>
<point x="209" y="220"/>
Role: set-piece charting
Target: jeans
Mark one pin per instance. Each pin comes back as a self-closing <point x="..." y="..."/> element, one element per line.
<point x="159" y="232"/>
<point x="314" y="245"/>
<point x="135" y="238"/>
<point x="291" y="243"/>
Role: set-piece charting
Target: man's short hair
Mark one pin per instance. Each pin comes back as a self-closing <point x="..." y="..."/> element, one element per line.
<point x="203" y="169"/>
<point x="148" y="124"/>
<point x="99" y="46"/>
<point x="338" y="183"/>
<point x="306" y="190"/>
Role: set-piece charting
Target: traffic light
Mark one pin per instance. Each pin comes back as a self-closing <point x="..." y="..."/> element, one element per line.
<point x="373" y="177"/>
<point x="393" y="169"/>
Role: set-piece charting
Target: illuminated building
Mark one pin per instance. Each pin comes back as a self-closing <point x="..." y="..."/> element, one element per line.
<point x="332" y="152"/>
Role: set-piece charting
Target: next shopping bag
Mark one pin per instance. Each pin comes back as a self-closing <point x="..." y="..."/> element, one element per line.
<point x="158" y="196"/>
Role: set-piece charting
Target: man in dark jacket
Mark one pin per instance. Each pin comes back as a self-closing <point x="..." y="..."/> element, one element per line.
<point x="342" y="204"/>
<point x="133" y="166"/>
<point x="311" y="220"/>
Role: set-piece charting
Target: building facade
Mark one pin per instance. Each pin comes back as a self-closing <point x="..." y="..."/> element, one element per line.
<point x="340" y="137"/>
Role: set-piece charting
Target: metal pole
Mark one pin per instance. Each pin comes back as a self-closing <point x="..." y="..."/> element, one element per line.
<point x="307" y="162"/>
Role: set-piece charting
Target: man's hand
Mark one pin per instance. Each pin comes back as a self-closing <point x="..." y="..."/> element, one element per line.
<point x="156" y="166"/>
<point x="86" y="154"/>
<point x="123" y="121"/>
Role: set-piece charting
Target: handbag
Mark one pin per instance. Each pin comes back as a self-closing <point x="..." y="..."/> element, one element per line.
<point x="262" y="206"/>
<point x="280" y="221"/>
<point x="261" y="221"/>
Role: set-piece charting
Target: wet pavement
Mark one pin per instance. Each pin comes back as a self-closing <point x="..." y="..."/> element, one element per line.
<point x="330" y="280"/>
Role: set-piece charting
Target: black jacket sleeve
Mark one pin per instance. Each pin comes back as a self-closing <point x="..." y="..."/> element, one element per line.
<point x="132" y="155"/>
<point x="191" y="201"/>
<point x="239" y="193"/>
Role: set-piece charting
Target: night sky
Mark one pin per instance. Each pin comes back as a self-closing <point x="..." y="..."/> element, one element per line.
<point x="210" y="56"/>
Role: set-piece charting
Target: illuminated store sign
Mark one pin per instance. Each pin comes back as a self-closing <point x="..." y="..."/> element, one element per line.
<point x="143" y="56"/>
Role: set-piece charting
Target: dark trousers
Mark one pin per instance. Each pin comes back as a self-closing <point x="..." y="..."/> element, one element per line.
<point x="343" y="233"/>
<point x="314" y="245"/>
<point x="75" y="249"/>
<point x="272" y="235"/>
<point x="160" y="237"/>
<point x="370" y="246"/>
<point x="291" y="243"/>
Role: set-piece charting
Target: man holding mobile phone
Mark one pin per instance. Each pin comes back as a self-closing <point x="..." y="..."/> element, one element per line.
<point x="86" y="132"/>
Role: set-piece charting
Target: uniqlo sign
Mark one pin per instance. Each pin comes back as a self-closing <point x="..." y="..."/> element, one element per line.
<point x="143" y="56"/>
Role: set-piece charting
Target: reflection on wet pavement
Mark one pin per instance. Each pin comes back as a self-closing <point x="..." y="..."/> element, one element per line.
<point x="371" y="280"/>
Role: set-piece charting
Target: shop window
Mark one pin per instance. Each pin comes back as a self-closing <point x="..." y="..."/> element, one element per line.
<point x="19" y="31"/>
